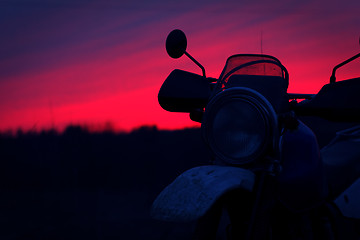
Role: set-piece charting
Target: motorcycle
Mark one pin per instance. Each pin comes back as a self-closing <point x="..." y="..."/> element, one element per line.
<point x="284" y="166"/>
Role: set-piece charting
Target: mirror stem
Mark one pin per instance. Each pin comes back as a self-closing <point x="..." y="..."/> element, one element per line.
<point x="333" y="78"/>
<point x="196" y="62"/>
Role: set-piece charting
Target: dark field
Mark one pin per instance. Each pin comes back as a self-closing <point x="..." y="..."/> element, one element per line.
<point x="81" y="185"/>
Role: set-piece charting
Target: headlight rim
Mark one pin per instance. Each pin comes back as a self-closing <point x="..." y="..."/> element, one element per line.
<point x="260" y="103"/>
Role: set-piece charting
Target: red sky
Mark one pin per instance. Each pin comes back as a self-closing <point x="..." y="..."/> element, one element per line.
<point x="93" y="62"/>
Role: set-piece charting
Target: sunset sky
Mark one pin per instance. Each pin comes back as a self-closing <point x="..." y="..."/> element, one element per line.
<point x="94" y="62"/>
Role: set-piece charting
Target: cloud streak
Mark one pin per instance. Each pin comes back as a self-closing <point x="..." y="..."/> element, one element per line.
<point x="95" y="61"/>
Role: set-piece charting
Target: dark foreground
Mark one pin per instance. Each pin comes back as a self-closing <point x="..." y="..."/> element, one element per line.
<point x="78" y="185"/>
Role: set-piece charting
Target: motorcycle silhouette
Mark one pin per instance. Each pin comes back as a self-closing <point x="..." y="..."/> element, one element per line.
<point x="285" y="166"/>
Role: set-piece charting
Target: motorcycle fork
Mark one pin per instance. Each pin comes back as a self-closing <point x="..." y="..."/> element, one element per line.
<point x="259" y="223"/>
<point x="249" y="213"/>
<point x="207" y="225"/>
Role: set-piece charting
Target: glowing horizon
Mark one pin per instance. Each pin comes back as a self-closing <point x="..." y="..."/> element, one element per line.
<point x="91" y="63"/>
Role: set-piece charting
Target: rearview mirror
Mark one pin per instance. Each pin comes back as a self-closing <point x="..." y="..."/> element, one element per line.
<point x="176" y="43"/>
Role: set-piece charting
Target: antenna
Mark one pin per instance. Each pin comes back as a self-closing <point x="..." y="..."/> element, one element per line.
<point x="261" y="47"/>
<point x="261" y="41"/>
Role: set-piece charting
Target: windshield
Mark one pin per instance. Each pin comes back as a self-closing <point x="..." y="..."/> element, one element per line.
<point x="252" y="64"/>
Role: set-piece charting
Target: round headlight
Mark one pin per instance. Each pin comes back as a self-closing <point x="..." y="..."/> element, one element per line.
<point x="239" y="125"/>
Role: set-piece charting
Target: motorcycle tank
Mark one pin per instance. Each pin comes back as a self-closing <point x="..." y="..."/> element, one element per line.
<point x="301" y="183"/>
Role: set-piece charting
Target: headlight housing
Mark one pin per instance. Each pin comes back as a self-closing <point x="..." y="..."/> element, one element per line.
<point x="239" y="125"/>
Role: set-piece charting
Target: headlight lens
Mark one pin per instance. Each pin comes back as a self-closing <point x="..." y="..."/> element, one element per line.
<point x="239" y="125"/>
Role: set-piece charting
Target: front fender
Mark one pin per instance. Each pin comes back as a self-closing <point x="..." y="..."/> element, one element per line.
<point x="192" y="194"/>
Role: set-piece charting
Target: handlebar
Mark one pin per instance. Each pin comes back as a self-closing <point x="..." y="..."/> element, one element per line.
<point x="337" y="101"/>
<point x="295" y="96"/>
